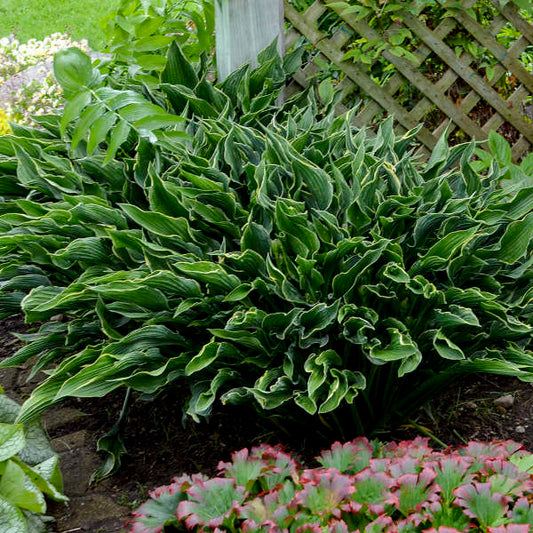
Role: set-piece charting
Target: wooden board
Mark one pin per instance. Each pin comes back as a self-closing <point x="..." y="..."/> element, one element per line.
<point x="243" y="29"/>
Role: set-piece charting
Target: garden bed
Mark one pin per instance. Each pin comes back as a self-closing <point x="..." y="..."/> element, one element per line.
<point x="202" y="244"/>
<point x="160" y="446"/>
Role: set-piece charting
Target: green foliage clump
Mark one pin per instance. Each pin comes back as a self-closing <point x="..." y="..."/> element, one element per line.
<point x="359" y="486"/>
<point x="29" y="472"/>
<point x="139" y="33"/>
<point x="262" y="251"/>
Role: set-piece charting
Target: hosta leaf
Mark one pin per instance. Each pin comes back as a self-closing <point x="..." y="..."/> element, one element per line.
<point x="150" y="381"/>
<point x="339" y="390"/>
<point x="204" y="394"/>
<point x="301" y="399"/>
<point x="92" y="381"/>
<point x="410" y="364"/>
<point x="521" y="205"/>
<point x="144" y="338"/>
<point x="171" y="284"/>
<point x="239" y="293"/>
<point x="271" y="389"/>
<point x="439" y="153"/>
<point x="10" y="303"/>
<point x="44" y="395"/>
<point x="158" y="223"/>
<point x="318" y="365"/>
<point x="396" y="273"/>
<point x="180" y="95"/>
<point x="209" y="273"/>
<point x="516" y="240"/>
<point x="25" y="281"/>
<point x="445" y="347"/>
<point x="203" y="359"/>
<point x="319" y="317"/>
<point x="456" y="315"/>
<point x="345" y="281"/>
<point x="35" y="348"/>
<point x="242" y="337"/>
<point x="128" y="291"/>
<point x="316" y="181"/>
<point x="178" y="70"/>
<point x="400" y="347"/>
<point x="91" y="250"/>
<point x="299" y="235"/>
<point x="446" y="247"/>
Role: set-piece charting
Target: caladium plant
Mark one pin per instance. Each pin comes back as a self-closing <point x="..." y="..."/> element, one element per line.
<point x="262" y="252"/>
<point x="463" y="489"/>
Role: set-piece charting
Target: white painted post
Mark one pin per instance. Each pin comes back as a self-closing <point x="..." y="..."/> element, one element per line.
<point x="243" y="29"/>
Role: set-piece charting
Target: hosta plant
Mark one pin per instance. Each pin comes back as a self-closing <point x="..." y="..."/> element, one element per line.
<point x="259" y="251"/>
<point x="359" y="486"/>
<point x="29" y="473"/>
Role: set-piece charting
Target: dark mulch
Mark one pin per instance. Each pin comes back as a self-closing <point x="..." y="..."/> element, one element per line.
<point x="161" y="445"/>
<point x="8" y="343"/>
<point x="470" y="411"/>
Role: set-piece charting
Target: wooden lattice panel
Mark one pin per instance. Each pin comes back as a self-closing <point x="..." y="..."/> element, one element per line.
<point x="460" y="96"/>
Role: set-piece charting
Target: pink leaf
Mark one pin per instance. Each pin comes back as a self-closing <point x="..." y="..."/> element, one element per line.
<point x="511" y="528"/>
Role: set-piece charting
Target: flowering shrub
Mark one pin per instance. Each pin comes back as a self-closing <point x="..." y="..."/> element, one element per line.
<point x="359" y="486"/>
<point x="39" y="97"/>
<point x="41" y="94"/>
<point x="16" y="56"/>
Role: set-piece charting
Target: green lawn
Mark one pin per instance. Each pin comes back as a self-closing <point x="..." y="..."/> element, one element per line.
<point x="38" y="18"/>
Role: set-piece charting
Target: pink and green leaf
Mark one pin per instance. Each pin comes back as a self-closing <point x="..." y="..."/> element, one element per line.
<point x="348" y="458"/>
<point x="478" y="501"/>
<point x="210" y="503"/>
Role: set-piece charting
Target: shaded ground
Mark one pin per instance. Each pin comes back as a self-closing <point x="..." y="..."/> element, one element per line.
<point x="160" y="446"/>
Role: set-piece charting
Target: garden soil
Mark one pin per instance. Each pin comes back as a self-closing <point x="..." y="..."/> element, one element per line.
<point x="161" y="445"/>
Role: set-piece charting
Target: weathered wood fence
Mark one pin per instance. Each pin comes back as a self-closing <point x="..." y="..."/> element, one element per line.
<point x="433" y="85"/>
<point x="243" y="29"/>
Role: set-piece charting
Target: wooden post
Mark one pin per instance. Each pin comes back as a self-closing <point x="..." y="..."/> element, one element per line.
<point x="243" y="29"/>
